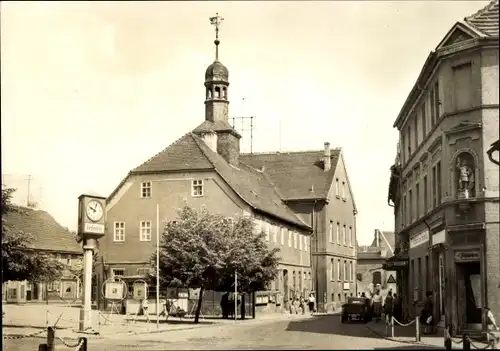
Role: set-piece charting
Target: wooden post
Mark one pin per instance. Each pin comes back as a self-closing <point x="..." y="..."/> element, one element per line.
<point x="51" y="334"/>
<point x="84" y="344"/>
<point x="253" y="304"/>
<point x="466" y="341"/>
<point x="392" y="327"/>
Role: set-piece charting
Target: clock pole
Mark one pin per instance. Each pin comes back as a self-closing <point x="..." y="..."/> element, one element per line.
<point x="91" y="227"/>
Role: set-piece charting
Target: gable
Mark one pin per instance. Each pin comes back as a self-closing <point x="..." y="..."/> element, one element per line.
<point x="342" y="169"/>
<point x="458" y="33"/>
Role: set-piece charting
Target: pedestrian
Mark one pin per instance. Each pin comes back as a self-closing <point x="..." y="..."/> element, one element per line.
<point x="224" y="304"/>
<point x="145" y="309"/>
<point x="377" y="305"/>
<point x="490" y="319"/>
<point x="302" y="302"/>
<point x="426" y="318"/>
<point x="312" y="303"/>
<point x="389" y="308"/>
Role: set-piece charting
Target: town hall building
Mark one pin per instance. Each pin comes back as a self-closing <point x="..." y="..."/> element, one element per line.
<point x="302" y="201"/>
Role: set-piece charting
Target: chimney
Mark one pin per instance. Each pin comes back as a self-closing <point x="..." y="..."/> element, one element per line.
<point x="210" y="139"/>
<point x="228" y="146"/>
<point x="327" y="162"/>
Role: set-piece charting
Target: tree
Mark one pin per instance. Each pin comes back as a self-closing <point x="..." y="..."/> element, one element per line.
<point x="203" y="250"/>
<point x="19" y="260"/>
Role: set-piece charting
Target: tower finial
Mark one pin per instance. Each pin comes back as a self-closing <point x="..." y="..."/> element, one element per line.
<point x="216" y="21"/>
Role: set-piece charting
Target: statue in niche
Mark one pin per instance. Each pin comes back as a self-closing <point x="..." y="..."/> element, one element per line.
<point x="465" y="176"/>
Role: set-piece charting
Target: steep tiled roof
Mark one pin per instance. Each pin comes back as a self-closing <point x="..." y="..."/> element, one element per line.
<point x="298" y="175"/>
<point x="486" y="19"/>
<point x="183" y="154"/>
<point x="47" y="233"/>
<point x="190" y="153"/>
<point x="218" y="126"/>
<point x="385" y="237"/>
<point x="252" y="185"/>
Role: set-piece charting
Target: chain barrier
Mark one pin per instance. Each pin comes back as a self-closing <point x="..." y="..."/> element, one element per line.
<point x="448" y="336"/>
<point x="77" y="346"/>
<point x="27" y="336"/>
<point x="490" y="343"/>
<point x="403" y="324"/>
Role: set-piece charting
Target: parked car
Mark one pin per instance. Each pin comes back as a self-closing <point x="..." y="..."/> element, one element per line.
<point x="356" y="308"/>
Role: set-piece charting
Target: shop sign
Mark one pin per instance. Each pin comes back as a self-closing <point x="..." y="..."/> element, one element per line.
<point x="419" y="239"/>
<point x="467" y="256"/>
<point x="438" y="238"/>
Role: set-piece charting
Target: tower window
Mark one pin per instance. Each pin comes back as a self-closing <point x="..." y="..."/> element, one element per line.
<point x="217" y="92"/>
<point x="209" y="94"/>
<point x="224" y="91"/>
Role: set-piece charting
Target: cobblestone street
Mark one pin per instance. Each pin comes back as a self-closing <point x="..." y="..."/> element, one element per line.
<point x="320" y="332"/>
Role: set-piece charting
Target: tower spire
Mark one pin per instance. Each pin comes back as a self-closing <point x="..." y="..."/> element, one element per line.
<point x="216" y="21"/>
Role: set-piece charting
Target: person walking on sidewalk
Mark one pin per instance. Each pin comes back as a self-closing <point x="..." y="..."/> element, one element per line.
<point x="426" y="318"/>
<point x="312" y="303"/>
<point x="389" y="308"/>
<point x="490" y="319"/>
<point x="145" y="309"/>
<point x="302" y="302"/>
<point x="377" y="305"/>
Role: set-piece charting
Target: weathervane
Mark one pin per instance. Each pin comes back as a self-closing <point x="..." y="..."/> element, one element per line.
<point x="216" y="21"/>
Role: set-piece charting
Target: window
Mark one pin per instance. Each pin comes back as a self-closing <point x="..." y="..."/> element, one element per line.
<point x="402" y="148"/>
<point x="337" y="188"/>
<point x="345" y="271"/>
<point x="351" y="271"/>
<point x="338" y="270"/>
<point x="332" y="269"/>
<point x="118" y="272"/>
<point x="197" y="188"/>
<point x="351" y="239"/>
<point x="377" y="278"/>
<point x="426" y="203"/>
<point x="266" y="230"/>
<point x="331" y="231"/>
<point x="344" y="235"/>
<point x="438" y="183"/>
<point x="417" y="196"/>
<point x="145" y="231"/>
<point x="282" y="235"/>
<point x="343" y="190"/>
<point x="306" y="239"/>
<point x="437" y="103"/>
<point x="433" y="108"/>
<point x="143" y="271"/>
<point x="462" y="86"/>
<point x="424" y="121"/>
<point x="338" y="233"/>
<point x="300" y="242"/>
<point x="145" y="189"/>
<point x="404" y="210"/>
<point x="410" y="207"/>
<point x="419" y="277"/>
<point x="119" y="231"/>
<point x="290" y="233"/>
<point x="295" y="240"/>
<point x="415" y="130"/>
<point x="275" y="234"/>
<point x="427" y="274"/>
<point x="409" y="142"/>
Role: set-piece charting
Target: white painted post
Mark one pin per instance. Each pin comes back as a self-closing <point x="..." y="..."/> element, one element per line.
<point x="235" y="294"/>
<point x="157" y="266"/>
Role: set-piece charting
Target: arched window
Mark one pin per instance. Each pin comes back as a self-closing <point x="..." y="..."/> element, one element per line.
<point x="377" y="278"/>
<point x="359" y="277"/>
<point x="217" y="93"/>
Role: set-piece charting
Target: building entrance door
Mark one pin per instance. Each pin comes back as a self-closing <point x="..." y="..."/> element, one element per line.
<point x="469" y="295"/>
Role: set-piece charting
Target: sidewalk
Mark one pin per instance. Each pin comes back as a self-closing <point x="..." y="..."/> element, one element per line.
<point x="407" y="335"/>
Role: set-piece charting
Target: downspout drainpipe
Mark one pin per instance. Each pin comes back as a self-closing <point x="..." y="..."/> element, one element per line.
<point x="314" y="258"/>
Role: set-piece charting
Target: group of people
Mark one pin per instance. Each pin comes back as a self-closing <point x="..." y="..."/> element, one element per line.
<point x="297" y="304"/>
<point x="227" y="305"/>
<point x="390" y="306"/>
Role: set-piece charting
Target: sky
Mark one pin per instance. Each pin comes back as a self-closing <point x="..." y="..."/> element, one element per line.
<point x="90" y="90"/>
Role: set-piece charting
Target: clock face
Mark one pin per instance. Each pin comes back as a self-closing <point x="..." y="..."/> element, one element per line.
<point x="94" y="211"/>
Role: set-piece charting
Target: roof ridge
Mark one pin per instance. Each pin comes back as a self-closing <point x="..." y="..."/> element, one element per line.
<point x="288" y="152"/>
<point x="149" y="159"/>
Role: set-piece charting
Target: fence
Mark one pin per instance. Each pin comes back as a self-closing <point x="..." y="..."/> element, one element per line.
<point x="467" y="343"/>
<point x="50" y="345"/>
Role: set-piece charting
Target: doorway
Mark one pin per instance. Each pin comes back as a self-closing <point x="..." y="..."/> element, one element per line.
<point x="469" y="294"/>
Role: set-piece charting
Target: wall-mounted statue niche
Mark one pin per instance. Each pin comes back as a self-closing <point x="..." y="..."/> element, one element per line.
<point x="464" y="175"/>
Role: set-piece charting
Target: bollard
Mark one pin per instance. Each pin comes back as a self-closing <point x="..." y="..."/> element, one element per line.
<point x="447" y="339"/>
<point x="392" y="327"/>
<point x="51" y="335"/>
<point x="43" y="347"/>
<point x="466" y="341"/>
<point x="83" y="341"/>
<point x="417" y="329"/>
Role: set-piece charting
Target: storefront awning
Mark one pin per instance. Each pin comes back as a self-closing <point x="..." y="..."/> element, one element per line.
<point x="397" y="262"/>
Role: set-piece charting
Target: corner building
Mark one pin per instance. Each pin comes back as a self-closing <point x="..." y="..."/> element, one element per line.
<point x="444" y="188"/>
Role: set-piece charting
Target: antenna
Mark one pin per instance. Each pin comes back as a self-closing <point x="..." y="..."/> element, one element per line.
<point x="28" y="196"/>
<point x="246" y="125"/>
<point x="279" y="136"/>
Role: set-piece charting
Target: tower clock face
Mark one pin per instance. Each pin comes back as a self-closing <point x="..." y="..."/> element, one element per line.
<point x="94" y="211"/>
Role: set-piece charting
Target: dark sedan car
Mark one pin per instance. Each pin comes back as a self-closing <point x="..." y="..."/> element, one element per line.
<point x="356" y="308"/>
